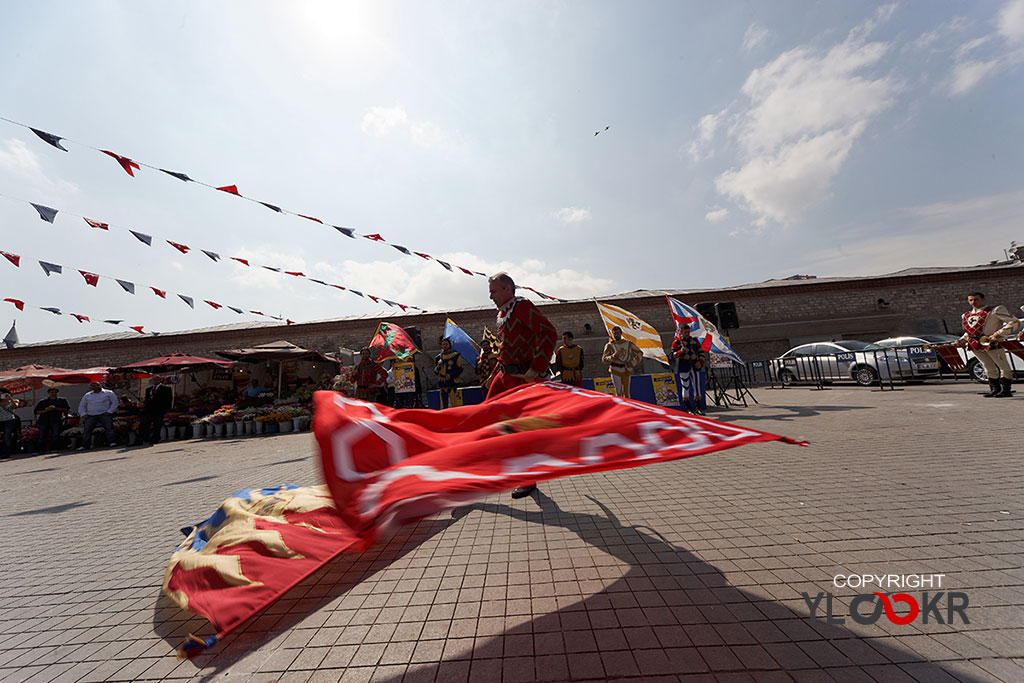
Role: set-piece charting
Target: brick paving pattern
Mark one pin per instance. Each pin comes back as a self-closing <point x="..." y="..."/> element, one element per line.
<point x="682" y="571"/>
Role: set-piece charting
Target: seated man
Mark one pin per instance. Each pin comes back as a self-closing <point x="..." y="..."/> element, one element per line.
<point x="50" y="415"/>
<point x="97" y="406"/>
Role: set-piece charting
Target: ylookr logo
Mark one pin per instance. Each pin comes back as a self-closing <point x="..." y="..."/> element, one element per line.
<point x="867" y="608"/>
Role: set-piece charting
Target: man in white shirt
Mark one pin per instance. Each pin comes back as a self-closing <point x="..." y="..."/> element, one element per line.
<point x="97" y="405"/>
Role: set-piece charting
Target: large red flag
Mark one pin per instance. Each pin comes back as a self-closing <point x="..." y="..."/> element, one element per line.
<point x="258" y="545"/>
<point x="391" y="341"/>
<point x="386" y="466"/>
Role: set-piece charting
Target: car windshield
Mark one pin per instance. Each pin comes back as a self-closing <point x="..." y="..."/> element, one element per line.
<point x="938" y="338"/>
<point x="852" y="345"/>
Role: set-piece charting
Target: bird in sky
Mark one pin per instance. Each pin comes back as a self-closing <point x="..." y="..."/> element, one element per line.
<point x="599" y="132"/>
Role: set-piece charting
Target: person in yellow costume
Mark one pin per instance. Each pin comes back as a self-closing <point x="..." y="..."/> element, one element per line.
<point x="984" y="328"/>
<point x="569" y="361"/>
<point x="622" y="357"/>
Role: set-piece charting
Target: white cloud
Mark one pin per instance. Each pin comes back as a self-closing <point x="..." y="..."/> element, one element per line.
<point x="754" y="36"/>
<point x="18" y="161"/>
<point x="383" y="121"/>
<point x="966" y="75"/>
<point x="1011" y="21"/>
<point x="797" y="121"/>
<point x="716" y="215"/>
<point x="573" y="214"/>
<point x="700" y="148"/>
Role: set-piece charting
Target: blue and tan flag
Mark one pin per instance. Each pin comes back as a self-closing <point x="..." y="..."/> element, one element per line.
<point x="701" y="329"/>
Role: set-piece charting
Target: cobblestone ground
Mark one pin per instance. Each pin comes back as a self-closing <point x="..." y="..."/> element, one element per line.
<point x="692" y="569"/>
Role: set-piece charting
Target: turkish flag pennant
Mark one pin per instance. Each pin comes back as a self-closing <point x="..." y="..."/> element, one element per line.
<point x="230" y="189"/>
<point x="373" y="298"/>
<point x="18" y="303"/>
<point x="159" y="292"/>
<point x="467" y="272"/>
<point x="49" y="138"/>
<point x="422" y="255"/>
<point x="180" y="247"/>
<point x="243" y="261"/>
<point x="289" y="322"/>
<point x="339" y="287"/>
<point x="374" y="237"/>
<point x="81" y="318"/>
<point x="213" y="303"/>
<point x="90" y="278"/>
<point x="138" y="328"/>
<point x="295" y="273"/>
<point x="310" y="218"/>
<point x="402" y="306"/>
<point x="386" y="467"/>
<point x="126" y="163"/>
<point x="13" y="258"/>
<point x="97" y="224"/>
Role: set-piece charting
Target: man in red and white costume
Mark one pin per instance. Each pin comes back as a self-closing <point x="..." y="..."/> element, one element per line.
<point x="527" y="339"/>
<point x="984" y="327"/>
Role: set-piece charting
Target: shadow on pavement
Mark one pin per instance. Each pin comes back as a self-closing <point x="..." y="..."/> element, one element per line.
<point x="790" y="414"/>
<point x="703" y="626"/>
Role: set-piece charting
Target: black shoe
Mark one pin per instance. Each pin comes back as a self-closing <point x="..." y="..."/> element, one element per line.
<point x="1004" y="388"/>
<point x="523" y="491"/>
<point x="993" y="389"/>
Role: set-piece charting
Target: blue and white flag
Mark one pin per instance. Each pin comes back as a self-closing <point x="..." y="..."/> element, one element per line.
<point x="710" y="339"/>
<point x="462" y="342"/>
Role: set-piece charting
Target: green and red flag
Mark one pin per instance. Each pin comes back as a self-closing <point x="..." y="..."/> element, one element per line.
<point x="391" y="341"/>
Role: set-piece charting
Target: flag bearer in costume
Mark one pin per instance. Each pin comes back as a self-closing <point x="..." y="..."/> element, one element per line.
<point x="690" y="360"/>
<point x="369" y="377"/>
<point x="526" y="341"/>
<point x="449" y="366"/>
<point x="622" y="357"/>
<point x="984" y="327"/>
<point x="569" y="361"/>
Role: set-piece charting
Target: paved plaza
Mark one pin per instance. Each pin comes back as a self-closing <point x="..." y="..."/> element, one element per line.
<point x="691" y="570"/>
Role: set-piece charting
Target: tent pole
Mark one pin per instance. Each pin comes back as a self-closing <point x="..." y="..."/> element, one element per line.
<point x="280" y="365"/>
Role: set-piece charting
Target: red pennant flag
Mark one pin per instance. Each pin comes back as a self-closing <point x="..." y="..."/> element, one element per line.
<point x="339" y="287"/>
<point x="138" y="328"/>
<point x="18" y="303"/>
<point x="385" y="466"/>
<point x="403" y="307"/>
<point x="295" y="273"/>
<point x="230" y="189"/>
<point x="243" y="261"/>
<point x="159" y="292"/>
<point x="214" y="304"/>
<point x="97" y="224"/>
<point x="90" y="278"/>
<point x="467" y="272"/>
<point x="422" y="255"/>
<point x="180" y="247"/>
<point x="13" y="258"/>
<point x="289" y="322"/>
<point x="81" y="318"/>
<point x="258" y="313"/>
<point x="375" y="238"/>
<point x="310" y="218"/>
<point x="126" y="163"/>
<point x="375" y="299"/>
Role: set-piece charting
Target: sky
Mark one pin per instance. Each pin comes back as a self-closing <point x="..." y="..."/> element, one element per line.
<point x="737" y="142"/>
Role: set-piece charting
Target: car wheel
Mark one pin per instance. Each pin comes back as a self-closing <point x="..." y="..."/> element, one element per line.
<point x="787" y="378"/>
<point x="977" y="371"/>
<point x="865" y="375"/>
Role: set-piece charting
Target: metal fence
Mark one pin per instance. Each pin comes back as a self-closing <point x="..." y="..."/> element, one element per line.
<point x="881" y="369"/>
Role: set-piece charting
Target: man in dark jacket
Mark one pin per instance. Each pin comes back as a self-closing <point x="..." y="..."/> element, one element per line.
<point x="155" y="405"/>
<point x="50" y="415"/>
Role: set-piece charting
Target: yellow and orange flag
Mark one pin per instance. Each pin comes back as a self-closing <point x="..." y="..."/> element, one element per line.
<point x="634" y="329"/>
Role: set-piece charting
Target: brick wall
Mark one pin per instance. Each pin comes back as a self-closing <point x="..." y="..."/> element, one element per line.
<point x="772" y="320"/>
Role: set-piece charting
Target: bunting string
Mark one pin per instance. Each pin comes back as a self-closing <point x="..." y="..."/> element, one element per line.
<point x="128" y="287"/>
<point x="130" y="165"/>
<point x="49" y="215"/>
<point x="21" y="305"/>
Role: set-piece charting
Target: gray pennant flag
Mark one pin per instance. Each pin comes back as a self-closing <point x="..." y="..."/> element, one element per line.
<point x="50" y="138"/>
<point x="212" y="254"/>
<point x="51" y="309"/>
<point x="356" y="292"/>
<point x="447" y="266"/>
<point x="113" y="322"/>
<point x="45" y="212"/>
<point x="239" y="311"/>
<point x="49" y="268"/>
<point x="348" y="232"/>
<point x="187" y="299"/>
<point x="402" y="249"/>
<point x="126" y="286"/>
<point x="276" y="270"/>
<point x="143" y="237"/>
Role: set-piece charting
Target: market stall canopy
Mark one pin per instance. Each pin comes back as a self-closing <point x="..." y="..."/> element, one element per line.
<point x="279" y="350"/>
<point x="173" y="362"/>
<point x="27" y="377"/>
<point x="85" y="375"/>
